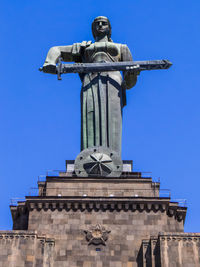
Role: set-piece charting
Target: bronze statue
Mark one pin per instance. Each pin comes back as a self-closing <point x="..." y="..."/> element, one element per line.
<point x="103" y="95"/>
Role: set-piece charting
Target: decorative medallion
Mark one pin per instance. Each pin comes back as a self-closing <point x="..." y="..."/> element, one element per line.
<point x="97" y="235"/>
<point x="98" y="161"/>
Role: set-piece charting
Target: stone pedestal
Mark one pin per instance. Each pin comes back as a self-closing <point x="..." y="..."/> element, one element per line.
<point x="101" y="222"/>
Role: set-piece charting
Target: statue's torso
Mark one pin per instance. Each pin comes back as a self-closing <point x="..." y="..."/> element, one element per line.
<point x="102" y="52"/>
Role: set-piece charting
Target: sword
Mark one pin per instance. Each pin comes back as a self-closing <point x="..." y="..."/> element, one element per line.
<point x="132" y="66"/>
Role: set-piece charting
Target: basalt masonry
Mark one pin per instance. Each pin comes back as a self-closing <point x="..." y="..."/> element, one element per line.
<point x="96" y="222"/>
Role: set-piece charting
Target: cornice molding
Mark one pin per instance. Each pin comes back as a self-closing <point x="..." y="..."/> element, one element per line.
<point x="185" y="237"/>
<point x="28" y="235"/>
<point x="100" y="204"/>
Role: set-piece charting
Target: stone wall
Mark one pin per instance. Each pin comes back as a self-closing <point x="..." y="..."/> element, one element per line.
<point x="30" y="249"/>
<point x="127" y="229"/>
<point x="25" y="248"/>
<point x="180" y="249"/>
<point x="76" y="186"/>
<point x="97" y="222"/>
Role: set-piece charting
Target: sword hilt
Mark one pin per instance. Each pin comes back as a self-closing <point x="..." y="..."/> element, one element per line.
<point x="59" y="68"/>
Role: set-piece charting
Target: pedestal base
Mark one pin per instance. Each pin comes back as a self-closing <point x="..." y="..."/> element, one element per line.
<point x="99" y="221"/>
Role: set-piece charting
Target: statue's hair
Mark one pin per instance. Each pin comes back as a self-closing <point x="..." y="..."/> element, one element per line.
<point x="94" y="30"/>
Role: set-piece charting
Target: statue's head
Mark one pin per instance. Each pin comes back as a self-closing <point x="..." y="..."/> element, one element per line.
<point x="101" y="27"/>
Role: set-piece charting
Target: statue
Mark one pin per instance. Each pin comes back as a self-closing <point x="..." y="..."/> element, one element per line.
<point x="103" y="96"/>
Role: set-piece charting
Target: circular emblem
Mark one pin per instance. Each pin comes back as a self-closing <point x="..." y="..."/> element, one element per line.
<point x="98" y="161"/>
<point x="97" y="235"/>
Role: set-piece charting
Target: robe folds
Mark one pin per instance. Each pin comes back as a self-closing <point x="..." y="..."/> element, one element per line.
<point x="101" y="110"/>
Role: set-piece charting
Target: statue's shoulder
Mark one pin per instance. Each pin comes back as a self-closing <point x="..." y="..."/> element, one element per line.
<point x="124" y="49"/>
<point x="120" y="46"/>
<point x="123" y="46"/>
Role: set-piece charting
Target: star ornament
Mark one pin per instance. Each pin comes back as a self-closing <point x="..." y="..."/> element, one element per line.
<point x="97" y="235"/>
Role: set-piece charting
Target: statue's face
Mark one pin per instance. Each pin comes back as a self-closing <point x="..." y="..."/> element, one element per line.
<point x="101" y="28"/>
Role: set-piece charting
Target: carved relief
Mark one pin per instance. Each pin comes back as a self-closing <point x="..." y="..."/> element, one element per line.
<point x="97" y="235"/>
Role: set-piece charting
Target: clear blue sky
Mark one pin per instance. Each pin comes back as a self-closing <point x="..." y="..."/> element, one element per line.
<point x="40" y="116"/>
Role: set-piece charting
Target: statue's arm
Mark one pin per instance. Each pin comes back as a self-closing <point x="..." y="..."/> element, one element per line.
<point x="68" y="53"/>
<point x="130" y="78"/>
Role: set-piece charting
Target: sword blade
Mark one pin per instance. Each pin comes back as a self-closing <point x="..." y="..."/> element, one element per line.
<point x="115" y="66"/>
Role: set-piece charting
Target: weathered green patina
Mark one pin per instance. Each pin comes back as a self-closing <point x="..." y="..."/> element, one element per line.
<point x="103" y="95"/>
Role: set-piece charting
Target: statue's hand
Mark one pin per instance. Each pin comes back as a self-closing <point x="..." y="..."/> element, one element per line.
<point x="130" y="78"/>
<point x="135" y="72"/>
<point x="49" y="68"/>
